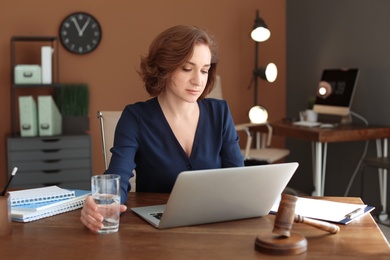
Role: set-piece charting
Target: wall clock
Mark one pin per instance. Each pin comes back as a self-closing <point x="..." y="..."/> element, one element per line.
<point x="80" y="33"/>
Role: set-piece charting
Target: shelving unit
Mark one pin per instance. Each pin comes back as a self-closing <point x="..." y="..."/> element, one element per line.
<point x="15" y="41"/>
<point x="63" y="160"/>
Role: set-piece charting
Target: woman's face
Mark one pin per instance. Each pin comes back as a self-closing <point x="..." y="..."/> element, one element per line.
<point x="189" y="81"/>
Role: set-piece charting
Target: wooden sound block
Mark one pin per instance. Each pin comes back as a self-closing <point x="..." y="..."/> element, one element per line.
<point x="274" y="244"/>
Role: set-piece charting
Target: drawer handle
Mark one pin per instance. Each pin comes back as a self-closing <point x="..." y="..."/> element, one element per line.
<point x="52" y="161"/>
<point x="51" y="150"/>
<point x="52" y="140"/>
<point x="51" y="171"/>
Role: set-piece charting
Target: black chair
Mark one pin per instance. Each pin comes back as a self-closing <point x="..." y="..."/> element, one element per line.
<point x="382" y="164"/>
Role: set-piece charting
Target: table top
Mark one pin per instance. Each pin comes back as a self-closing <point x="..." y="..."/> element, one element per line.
<point x="339" y="133"/>
<point x="64" y="237"/>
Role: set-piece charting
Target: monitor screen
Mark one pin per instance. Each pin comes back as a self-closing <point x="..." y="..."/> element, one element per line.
<point x="335" y="91"/>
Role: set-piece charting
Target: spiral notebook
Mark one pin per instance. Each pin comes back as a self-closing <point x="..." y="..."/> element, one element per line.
<point x="39" y="195"/>
<point x="35" y="211"/>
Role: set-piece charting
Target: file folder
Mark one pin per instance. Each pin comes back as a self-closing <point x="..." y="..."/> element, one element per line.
<point x="46" y="64"/>
<point x="28" y="116"/>
<point x="331" y="211"/>
<point x="49" y="117"/>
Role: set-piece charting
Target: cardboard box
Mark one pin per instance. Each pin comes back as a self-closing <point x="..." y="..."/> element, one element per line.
<point x="28" y="74"/>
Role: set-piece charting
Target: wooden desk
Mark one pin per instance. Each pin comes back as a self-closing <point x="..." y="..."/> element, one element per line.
<point x="64" y="237"/>
<point x="340" y="133"/>
<point x="320" y="137"/>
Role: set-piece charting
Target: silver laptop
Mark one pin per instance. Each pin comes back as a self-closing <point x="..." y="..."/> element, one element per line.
<point x="207" y="196"/>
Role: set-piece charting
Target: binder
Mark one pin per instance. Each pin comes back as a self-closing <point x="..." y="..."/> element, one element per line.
<point x="28" y="116"/>
<point x="49" y="117"/>
<point x="46" y="64"/>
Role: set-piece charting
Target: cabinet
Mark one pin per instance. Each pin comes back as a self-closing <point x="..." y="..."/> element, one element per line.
<point x="43" y="160"/>
<point x="58" y="160"/>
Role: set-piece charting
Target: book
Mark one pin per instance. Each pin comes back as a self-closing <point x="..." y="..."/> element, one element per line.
<point x="48" y="210"/>
<point x="39" y="195"/>
<point x="331" y="211"/>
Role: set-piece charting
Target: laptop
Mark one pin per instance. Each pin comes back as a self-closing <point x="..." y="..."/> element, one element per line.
<point x="216" y="195"/>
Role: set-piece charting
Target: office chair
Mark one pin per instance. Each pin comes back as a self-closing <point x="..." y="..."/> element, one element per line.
<point x="382" y="163"/>
<point x="262" y="153"/>
<point x="108" y="121"/>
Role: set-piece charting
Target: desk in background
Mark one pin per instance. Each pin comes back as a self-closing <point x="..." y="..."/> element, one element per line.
<point x="320" y="137"/>
<point x="64" y="237"/>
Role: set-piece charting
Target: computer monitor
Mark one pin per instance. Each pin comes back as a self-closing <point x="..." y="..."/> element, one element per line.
<point x="335" y="91"/>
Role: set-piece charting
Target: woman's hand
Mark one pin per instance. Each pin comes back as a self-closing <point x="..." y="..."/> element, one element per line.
<point x="90" y="216"/>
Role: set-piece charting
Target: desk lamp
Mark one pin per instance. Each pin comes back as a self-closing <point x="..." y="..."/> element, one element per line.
<point x="258" y="115"/>
<point x="261" y="33"/>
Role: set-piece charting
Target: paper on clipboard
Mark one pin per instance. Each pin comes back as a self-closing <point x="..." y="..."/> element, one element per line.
<point x="332" y="211"/>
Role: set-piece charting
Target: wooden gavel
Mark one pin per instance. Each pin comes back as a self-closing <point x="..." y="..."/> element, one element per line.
<point x="286" y="217"/>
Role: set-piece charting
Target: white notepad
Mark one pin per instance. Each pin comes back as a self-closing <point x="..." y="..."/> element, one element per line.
<point x="39" y="195"/>
<point x="332" y="211"/>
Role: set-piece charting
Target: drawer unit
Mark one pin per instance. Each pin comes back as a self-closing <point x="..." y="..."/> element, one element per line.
<point x="59" y="160"/>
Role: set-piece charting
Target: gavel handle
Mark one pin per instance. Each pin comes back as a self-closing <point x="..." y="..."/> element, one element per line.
<point x="332" y="228"/>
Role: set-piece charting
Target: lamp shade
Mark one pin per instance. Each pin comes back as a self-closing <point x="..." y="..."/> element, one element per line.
<point x="258" y="115"/>
<point x="269" y="72"/>
<point x="260" y="32"/>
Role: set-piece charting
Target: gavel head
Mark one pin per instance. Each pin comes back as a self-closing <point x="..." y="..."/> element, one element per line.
<point x="285" y="217"/>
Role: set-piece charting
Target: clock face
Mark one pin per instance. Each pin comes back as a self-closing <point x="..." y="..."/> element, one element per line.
<point x="80" y="33"/>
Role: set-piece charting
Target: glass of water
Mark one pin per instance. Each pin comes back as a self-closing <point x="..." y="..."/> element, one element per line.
<point x="106" y="194"/>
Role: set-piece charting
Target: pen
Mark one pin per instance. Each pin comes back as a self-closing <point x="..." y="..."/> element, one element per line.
<point x="9" y="180"/>
<point x="354" y="213"/>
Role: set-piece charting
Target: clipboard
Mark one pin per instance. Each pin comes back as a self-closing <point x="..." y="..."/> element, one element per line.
<point x="331" y="211"/>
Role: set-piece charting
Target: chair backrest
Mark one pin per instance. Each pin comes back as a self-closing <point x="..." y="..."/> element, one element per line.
<point x="108" y="122"/>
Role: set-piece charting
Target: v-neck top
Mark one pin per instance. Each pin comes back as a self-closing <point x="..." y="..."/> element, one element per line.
<point x="145" y="142"/>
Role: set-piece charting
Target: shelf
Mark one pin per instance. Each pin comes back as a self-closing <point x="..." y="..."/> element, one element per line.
<point x="37" y="85"/>
<point x="34" y="38"/>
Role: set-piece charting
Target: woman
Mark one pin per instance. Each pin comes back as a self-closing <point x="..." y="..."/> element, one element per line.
<point x="177" y="129"/>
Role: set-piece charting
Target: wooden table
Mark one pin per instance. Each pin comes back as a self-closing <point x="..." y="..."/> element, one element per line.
<point x="320" y="137"/>
<point x="64" y="237"/>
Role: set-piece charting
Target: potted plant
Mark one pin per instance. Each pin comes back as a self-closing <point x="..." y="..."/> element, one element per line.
<point x="310" y="102"/>
<point x="310" y="115"/>
<point x="73" y="102"/>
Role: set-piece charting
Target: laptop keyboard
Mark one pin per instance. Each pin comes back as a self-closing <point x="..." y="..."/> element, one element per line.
<point x="157" y="215"/>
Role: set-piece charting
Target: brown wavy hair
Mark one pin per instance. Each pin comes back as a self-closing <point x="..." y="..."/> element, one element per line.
<point x="170" y="50"/>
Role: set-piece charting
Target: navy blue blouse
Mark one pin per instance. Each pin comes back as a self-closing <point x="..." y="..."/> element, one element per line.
<point x="145" y="142"/>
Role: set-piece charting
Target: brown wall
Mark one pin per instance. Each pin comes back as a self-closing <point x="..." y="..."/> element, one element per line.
<point x="128" y="28"/>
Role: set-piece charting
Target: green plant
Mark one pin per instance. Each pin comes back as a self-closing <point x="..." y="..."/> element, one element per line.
<point x="310" y="102"/>
<point x="73" y="99"/>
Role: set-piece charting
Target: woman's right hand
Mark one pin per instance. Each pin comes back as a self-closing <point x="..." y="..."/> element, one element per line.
<point x="90" y="216"/>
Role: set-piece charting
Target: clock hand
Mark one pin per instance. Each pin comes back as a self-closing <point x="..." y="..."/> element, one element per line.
<point x="84" y="27"/>
<point x="77" y="26"/>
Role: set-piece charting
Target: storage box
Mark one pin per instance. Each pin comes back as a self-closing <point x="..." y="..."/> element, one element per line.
<point x="28" y="74"/>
